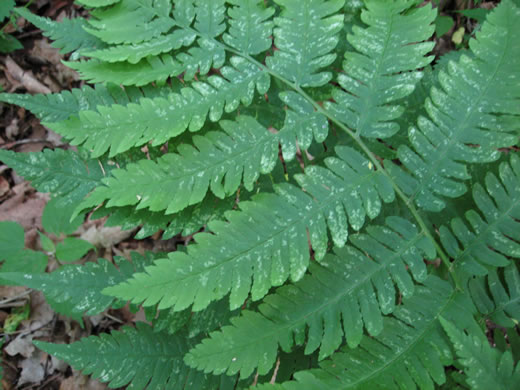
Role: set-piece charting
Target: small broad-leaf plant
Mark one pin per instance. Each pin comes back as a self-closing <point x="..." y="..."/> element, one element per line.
<point x="354" y="201"/>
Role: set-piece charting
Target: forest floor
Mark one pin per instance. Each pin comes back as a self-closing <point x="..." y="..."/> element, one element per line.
<point x="37" y="68"/>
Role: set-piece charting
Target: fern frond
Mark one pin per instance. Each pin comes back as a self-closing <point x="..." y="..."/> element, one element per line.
<point x="176" y="181"/>
<point x="148" y="70"/>
<point x="77" y="288"/>
<point x="496" y="299"/>
<point x="495" y="231"/>
<point x="218" y="160"/>
<point x="119" y="128"/>
<point x="474" y="113"/>
<point x="131" y="21"/>
<point x="385" y="67"/>
<point x="63" y="173"/>
<point x="54" y="107"/>
<point x="409" y="353"/>
<point x="210" y="17"/>
<point x="188" y="221"/>
<point x="138" y="357"/>
<point x="485" y="367"/>
<point x="354" y="286"/>
<point x="254" y="244"/>
<point x="306" y="32"/>
<point x="136" y="52"/>
<point x="199" y="59"/>
<point x="250" y="31"/>
<point x="68" y="35"/>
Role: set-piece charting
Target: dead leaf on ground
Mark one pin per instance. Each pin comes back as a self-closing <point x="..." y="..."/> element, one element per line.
<point x="105" y="237"/>
<point x="12" y="130"/>
<point x="44" y="52"/>
<point x="32" y="370"/>
<point x="21" y="345"/>
<point x="81" y="382"/>
<point x="9" y="292"/>
<point x="26" y="78"/>
<point x="41" y="312"/>
<point x="25" y="207"/>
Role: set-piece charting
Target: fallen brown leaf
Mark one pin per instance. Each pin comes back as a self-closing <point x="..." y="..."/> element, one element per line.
<point x="26" y="78"/>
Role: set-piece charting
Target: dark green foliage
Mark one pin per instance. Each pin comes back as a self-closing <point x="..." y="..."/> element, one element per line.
<point x="485" y="367"/>
<point x="137" y="356"/>
<point x="68" y="35"/>
<point x="495" y="229"/>
<point x="348" y="287"/>
<point x="326" y="145"/>
<point x="64" y="173"/>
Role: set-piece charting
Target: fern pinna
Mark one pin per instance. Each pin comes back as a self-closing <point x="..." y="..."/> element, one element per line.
<point x="355" y="204"/>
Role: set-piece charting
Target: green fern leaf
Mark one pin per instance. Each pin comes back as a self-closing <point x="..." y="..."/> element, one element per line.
<point x="63" y="173"/>
<point x="54" y="107"/>
<point x="367" y="315"/>
<point x="351" y="285"/>
<point x="258" y="237"/>
<point x="148" y="70"/>
<point x="210" y="17"/>
<point x="473" y="114"/>
<point x="408" y="354"/>
<point x="136" y="52"/>
<point x="162" y="119"/>
<point x="384" y="68"/>
<point x="78" y="287"/>
<point x="497" y="300"/>
<point x="201" y="59"/>
<point x="186" y="176"/>
<point x="250" y="31"/>
<point x="302" y="122"/>
<point x="188" y="221"/>
<point x="306" y="32"/>
<point x="131" y="21"/>
<point x="485" y="367"/>
<point x="197" y="59"/>
<point x="68" y="35"/>
<point x="138" y="357"/>
<point x="495" y="231"/>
